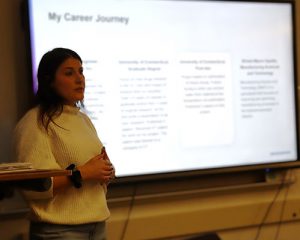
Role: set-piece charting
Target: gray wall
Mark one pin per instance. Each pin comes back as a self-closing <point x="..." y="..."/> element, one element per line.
<point x="158" y="210"/>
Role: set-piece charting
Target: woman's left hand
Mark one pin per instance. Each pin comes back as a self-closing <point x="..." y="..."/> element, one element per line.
<point x="113" y="172"/>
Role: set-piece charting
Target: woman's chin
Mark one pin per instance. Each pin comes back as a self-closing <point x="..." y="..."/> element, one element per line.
<point x="80" y="97"/>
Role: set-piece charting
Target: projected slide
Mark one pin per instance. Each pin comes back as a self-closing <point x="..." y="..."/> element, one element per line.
<point x="180" y="85"/>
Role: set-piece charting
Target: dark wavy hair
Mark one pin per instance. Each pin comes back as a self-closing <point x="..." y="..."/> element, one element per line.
<point x="49" y="101"/>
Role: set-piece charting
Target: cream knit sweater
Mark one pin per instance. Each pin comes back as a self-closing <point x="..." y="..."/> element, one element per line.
<point x="74" y="140"/>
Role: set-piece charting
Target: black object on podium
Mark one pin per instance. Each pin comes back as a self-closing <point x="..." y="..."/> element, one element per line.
<point x="208" y="236"/>
<point x="39" y="185"/>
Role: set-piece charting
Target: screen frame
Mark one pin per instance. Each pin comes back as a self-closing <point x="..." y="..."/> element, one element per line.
<point x="266" y="167"/>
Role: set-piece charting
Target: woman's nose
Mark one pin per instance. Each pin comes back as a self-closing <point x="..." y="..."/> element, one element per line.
<point x="79" y="78"/>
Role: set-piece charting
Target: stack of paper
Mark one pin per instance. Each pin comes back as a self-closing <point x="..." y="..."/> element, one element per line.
<point x="14" y="166"/>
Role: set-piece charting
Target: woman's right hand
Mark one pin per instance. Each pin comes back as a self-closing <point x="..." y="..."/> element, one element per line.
<point x="97" y="168"/>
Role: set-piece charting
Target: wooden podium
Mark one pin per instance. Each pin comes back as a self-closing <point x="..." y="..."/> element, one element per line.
<point x="31" y="174"/>
<point x="27" y="179"/>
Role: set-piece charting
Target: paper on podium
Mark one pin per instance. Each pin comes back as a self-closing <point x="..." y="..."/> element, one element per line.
<point x="14" y="166"/>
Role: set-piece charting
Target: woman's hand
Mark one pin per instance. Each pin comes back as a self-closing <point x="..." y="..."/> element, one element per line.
<point x="112" y="174"/>
<point x="97" y="168"/>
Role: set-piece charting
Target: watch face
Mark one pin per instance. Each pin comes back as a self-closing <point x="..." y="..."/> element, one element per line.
<point x="71" y="167"/>
<point x="76" y="175"/>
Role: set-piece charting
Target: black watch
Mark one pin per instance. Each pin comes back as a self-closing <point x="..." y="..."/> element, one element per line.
<point x="75" y="178"/>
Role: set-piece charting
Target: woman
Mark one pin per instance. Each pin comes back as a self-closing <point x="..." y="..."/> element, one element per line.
<point x="55" y="134"/>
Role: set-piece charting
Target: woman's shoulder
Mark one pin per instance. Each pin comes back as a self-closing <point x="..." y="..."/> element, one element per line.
<point x="30" y="118"/>
<point x="84" y="114"/>
<point x="30" y="115"/>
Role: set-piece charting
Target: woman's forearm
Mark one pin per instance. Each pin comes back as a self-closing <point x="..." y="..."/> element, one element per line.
<point x="60" y="183"/>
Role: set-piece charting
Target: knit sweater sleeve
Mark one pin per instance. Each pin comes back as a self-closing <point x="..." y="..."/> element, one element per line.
<point x="31" y="144"/>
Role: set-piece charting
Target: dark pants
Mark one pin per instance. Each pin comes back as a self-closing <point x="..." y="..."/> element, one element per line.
<point x="47" y="231"/>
